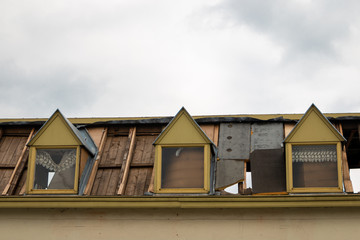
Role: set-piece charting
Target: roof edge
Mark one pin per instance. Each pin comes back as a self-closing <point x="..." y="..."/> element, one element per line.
<point x="260" y="117"/>
<point x="279" y="201"/>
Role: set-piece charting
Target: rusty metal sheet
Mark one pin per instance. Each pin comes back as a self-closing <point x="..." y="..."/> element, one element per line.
<point x="266" y="136"/>
<point x="234" y="141"/>
<point x="228" y="172"/>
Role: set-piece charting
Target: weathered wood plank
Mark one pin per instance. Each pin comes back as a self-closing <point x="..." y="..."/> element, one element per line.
<point x="104" y="182"/>
<point x="106" y="149"/>
<point x="18" y="145"/>
<point x="114" y="179"/>
<point x="148" y="178"/>
<point x="84" y="156"/>
<point x="139" y="149"/>
<point x="2" y="173"/>
<point x="288" y="127"/>
<point x="128" y="156"/>
<point x="22" y="191"/>
<point x="242" y="185"/>
<point x="91" y="180"/>
<point x="96" y="134"/>
<point x="132" y="180"/>
<point x="208" y="129"/>
<point x="149" y="151"/>
<point x="151" y="184"/>
<point x="216" y="134"/>
<point x="5" y="179"/>
<point x="121" y="150"/>
<point x="22" y="183"/>
<point x="7" y="143"/>
<point x="212" y="131"/>
<point x="95" y="187"/>
<point x="20" y="165"/>
<point x="141" y="182"/>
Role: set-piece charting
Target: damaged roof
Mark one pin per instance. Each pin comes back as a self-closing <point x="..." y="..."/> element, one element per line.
<point x="118" y="138"/>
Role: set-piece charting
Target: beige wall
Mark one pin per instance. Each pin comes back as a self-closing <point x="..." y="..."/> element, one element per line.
<point x="301" y="223"/>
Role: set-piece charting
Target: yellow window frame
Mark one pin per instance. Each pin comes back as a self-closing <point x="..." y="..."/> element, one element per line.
<point x="289" y="169"/>
<point x="31" y="171"/>
<point x="158" y="165"/>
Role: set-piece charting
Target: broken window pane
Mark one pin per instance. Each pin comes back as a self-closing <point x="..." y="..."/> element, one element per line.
<point x="182" y="167"/>
<point x="55" y="168"/>
<point x="314" y="166"/>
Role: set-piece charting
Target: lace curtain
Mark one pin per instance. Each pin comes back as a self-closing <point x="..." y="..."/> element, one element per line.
<point x="314" y="153"/>
<point x="44" y="159"/>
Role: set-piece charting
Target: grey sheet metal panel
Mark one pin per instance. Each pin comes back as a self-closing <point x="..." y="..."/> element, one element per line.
<point x="228" y="172"/>
<point x="234" y="141"/>
<point x="266" y="136"/>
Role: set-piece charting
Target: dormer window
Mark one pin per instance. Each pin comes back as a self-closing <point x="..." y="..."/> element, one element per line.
<point x="55" y="155"/>
<point x="182" y="157"/>
<point x="313" y="155"/>
<point x="182" y="167"/>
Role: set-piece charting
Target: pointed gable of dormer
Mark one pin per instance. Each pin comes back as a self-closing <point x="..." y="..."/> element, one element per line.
<point x="59" y="131"/>
<point x="314" y="127"/>
<point x="182" y="129"/>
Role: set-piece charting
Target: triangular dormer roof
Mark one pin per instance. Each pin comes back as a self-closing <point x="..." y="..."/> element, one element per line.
<point x="314" y="127"/>
<point x="182" y="129"/>
<point x="59" y="131"/>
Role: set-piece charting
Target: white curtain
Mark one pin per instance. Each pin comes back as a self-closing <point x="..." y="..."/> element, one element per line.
<point x="314" y="153"/>
<point x="44" y="159"/>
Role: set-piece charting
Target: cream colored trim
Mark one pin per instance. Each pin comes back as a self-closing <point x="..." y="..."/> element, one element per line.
<point x="280" y="201"/>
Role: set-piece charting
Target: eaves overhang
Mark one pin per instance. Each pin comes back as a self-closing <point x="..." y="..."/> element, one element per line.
<point x="214" y="202"/>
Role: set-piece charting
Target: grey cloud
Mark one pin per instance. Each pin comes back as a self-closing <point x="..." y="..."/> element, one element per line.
<point x="302" y="28"/>
<point x="39" y="94"/>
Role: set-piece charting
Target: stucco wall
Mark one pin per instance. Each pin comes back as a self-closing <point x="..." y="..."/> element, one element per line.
<point x="301" y="223"/>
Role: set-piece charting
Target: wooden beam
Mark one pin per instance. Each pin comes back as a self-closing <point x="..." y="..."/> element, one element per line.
<point x="242" y="185"/>
<point x="127" y="161"/>
<point x="345" y="166"/>
<point x="19" y="167"/>
<point x="96" y="163"/>
<point x="151" y="185"/>
<point x="22" y="191"/>
<point x="350" y="138"/>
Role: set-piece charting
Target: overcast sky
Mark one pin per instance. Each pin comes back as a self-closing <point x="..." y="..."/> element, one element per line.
<point x="149" y="58"/>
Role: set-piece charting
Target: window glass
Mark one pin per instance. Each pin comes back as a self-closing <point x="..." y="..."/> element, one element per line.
<point x="314" y="166"/>
<point x="182" y="167"/>
<point x="55" y="168"/>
